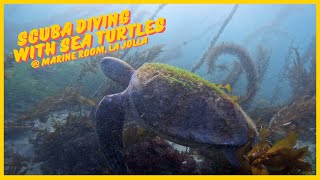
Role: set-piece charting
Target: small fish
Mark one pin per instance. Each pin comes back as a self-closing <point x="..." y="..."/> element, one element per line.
<point x="235" y="98"/>
<point x="228" y="88"/>
<point x="219" y="86"/>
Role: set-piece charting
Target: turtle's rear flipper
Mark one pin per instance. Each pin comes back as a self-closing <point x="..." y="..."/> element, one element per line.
<point x="109" y="120"/>
<point x="231" y="155"/>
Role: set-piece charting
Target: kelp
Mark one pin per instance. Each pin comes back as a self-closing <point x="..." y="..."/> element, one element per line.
<point x="255" y="69"/>
<point x="72" y="148"/>
<point x="215" y="39"/>
<point x="74" y="145"/>
<point x="140" y="57"/>
<point x="134" y="134"/>
<point x="299" y="71"/>
<point x="68" y="98"/>
<point x="310" y="52"/>
<point x="91" y="66"/>
<point x="263" y="56"/>
<point x="280" y="158"/>
<point x="298" y="116"/>
<point x="146" y="153"/>
<point x="262" y="115"/>
<point x="262" y="61"/>
<point x="234" y="74"/>
<point x="298" y="76"/>
<point x="201" y="34"/>
<point x="157" y="156"/>
<point x="161" y="6"/>
<point x="155" y="13"/>
<point x="247" y="64"/>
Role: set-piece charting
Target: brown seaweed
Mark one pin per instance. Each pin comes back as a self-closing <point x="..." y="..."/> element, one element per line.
<point x="140" y="57"/>
<point x="262" y="60"/>
<point x="247" y="64"/>
<point x="280" y="158"/>
<point x="234" y="74"/>
<point x="161" y="6"/>
<point x="157" y="156"/>
<point x="73" y="145"/>
<point x="68" y="98"/>
<point x="299" y="71"/>
<point x="262" y="115"/>
<point x="263" y="56"/>
<point x="298" y="116"/>
<point x="215" y="39"/>
<point x="298" y="76"/>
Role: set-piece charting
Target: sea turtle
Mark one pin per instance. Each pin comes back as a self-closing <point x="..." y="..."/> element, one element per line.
<point x="173" y="103"/>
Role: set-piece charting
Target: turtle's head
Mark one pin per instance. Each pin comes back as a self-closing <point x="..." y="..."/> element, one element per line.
<point x="117" y="70"/>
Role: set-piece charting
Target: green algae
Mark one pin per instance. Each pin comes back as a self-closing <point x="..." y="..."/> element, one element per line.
<point x="185" y="78"/>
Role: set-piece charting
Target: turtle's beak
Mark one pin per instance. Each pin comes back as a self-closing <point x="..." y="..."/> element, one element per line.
<point x="117" y="70"/>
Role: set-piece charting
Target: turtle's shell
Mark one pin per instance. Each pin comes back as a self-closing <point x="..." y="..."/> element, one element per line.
<point x="186" y="108"/>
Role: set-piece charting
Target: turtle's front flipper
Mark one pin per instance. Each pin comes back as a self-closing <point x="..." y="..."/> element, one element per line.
<point x="109" y="120"/>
